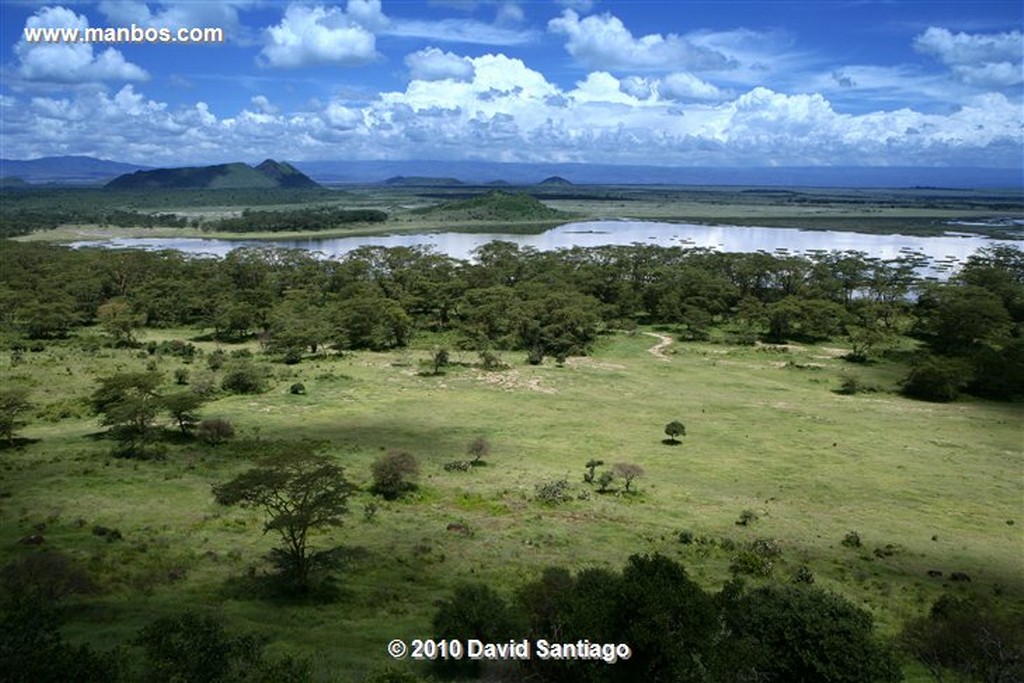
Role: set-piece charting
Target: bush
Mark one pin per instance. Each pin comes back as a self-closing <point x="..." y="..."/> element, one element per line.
<point x="553" y="492"/>
<point x="194" y="648"/>
<point x="747" y="517"/>
<point x="851" y="540"/>
<point x="474" y="611"/>
<point x="215" y="430"/>
<point x="181" y="376"/>
<point x="244" y="378"/>
<point x="801" y="633"/>
<point x="969" y="637"/>
<point x="298" y="388"/>
<point x="393" y="472"/>
<point x="49" y="575"/>
<point x="937" y="379"/>
<point x="457" y="466"/>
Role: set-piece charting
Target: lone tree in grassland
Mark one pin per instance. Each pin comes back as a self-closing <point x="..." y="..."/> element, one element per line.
<point x="479" y="448"/>
<point x="674" y="429"/>
<point x="13" y="402"/>
<point x="628" y="472"/>
<point x="300" y="492"/>
<point x="183" y="407"/>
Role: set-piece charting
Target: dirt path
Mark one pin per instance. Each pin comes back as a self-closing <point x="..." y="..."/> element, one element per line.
<point x="658" y="350"/>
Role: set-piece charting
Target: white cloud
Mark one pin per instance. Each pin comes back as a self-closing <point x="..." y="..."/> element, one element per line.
<point x="507" y="111"/>
<point x="466" y="31"/>
<point x="263" y="105"/>
<point x="320" y="35"/>
<point x="70" y="62"/>
<point x="509" y="14"/>
<point x="431" y="64"/>
<point x="979" y="59"/>
<point x="686" y="86"/>
<point x="604" y="42"/>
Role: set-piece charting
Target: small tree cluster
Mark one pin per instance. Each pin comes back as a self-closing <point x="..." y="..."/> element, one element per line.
<point x="553" y="492"/>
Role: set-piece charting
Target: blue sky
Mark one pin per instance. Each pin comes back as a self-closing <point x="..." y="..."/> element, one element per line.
<point x="672" y="82"/>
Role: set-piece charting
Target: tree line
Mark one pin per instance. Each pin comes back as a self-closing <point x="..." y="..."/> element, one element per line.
<point x="549" y="304"/>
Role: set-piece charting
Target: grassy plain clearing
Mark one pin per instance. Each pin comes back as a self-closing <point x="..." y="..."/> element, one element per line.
<point x="920" y="212"/>
<point x="765" y="432"/>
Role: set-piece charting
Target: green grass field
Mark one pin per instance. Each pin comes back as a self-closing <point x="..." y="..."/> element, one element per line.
<point x="940" y="484"/>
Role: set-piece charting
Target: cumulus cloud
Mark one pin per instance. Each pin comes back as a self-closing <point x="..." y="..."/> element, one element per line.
<point x="431" y="64"/>
<point x="604" y="42"/>
<point x="979" y="59"/>
<point x="174" y="15"/>
<point x="322" y="35"/>
<point x="263" y="105"/>
<point x="686" y="86"/>
<point x="70" y="62"/>
<point x="508" y="111"/>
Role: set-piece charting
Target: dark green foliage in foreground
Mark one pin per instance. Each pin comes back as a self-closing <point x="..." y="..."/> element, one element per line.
<point x="195" y="648"/>
<point x="33" y="650"/>
<point x="969" y="637"/>
<point x="800" y="633"/>
<point x="300" y="492"/>
<point x="677" y="631"/>
<point x="474" y="611"/>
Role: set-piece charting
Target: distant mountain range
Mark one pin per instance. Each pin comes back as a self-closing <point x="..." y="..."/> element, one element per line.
<point x="267" y="175"/>
<point x="87" y="170"/>
<point x="65" y="170"/>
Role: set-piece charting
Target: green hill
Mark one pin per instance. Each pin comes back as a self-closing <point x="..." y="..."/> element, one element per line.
<point x="268" y="175"/>
<point x="494" y="206"/>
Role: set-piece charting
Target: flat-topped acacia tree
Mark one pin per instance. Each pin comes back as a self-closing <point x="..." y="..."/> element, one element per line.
<point x="300" y="491"/>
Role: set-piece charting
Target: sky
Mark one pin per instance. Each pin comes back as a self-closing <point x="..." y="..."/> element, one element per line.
<point x="671" y="82"/>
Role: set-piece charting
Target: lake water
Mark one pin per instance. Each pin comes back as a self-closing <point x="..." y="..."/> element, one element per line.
<point x="951" y="248"/>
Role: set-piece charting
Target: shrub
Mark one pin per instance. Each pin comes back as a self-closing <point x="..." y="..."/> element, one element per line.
<point x="800" y="633"/>
<point x="851" y="540"/>
<point x="457" y="466"/>
<point x="970" y="637"/>
<point x="215" y="361"/>
<point x="604" y="481"/>
<point x="553" y="492"/>
<point x="937" y="379"/>
<point x="298" y="388"/>
<point x="215" y="430"/>
<point x="244" y="378"/>
<point x="393" y="473"/>
<point x="747" y="517"/>
<point x="686" y="537"/>
<point x="181" y="376"/>
<point x="803" y="575"/>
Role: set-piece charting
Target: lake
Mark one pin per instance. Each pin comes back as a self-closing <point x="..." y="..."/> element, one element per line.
<point x="950" y="248"/>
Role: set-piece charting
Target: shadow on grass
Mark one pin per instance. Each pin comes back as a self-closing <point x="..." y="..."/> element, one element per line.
<point x="324" y="587"/>
<point x="671" y="442"/>
<point x="16" y="443"/>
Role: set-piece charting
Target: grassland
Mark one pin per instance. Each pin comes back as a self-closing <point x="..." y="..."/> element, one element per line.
<point x="940" y="484"/>
<point x="423" y="209"/>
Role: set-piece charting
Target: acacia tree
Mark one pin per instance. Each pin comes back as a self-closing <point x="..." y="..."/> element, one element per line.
<point x="129" y="403"/>
<point x="674" y="429"/>
<point x="300" y="492"/>
<point x="628" y="471"/>
<point x="479" y="448"/>
<point x="13" y="402"/>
